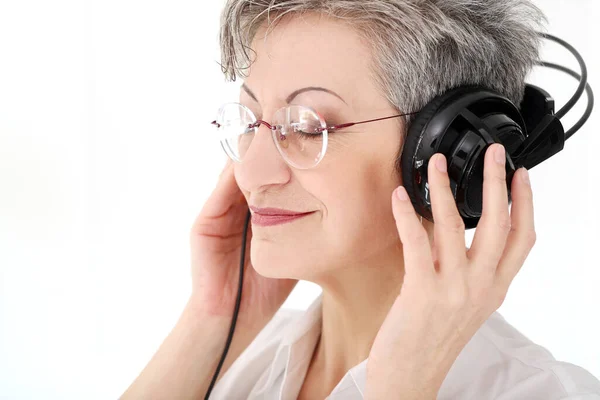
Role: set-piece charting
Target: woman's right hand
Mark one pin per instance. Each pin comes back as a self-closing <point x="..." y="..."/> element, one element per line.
<point x="216" y="241"/>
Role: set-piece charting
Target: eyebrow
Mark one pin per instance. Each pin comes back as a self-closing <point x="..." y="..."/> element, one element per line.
<point x="296" y="92"/>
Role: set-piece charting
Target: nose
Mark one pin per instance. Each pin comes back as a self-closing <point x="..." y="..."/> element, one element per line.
<point x="262" y="165"/>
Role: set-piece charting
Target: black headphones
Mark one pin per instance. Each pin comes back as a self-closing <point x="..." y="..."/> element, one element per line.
<point x="462" y="123"/>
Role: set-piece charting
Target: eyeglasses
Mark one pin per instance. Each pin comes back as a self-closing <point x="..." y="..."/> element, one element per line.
<point x="299" y="132"/>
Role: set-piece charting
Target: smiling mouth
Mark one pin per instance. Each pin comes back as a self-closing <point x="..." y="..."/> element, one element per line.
<point x="276" y="219"/>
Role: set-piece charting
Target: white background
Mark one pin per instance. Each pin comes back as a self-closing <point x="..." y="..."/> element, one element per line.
<point x="106" y="158"/>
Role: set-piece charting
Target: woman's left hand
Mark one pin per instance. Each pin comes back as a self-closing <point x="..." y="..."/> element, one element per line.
<point x="449" y="291"/>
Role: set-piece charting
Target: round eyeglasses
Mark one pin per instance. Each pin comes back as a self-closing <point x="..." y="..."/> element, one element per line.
<point x="299" y="132"/>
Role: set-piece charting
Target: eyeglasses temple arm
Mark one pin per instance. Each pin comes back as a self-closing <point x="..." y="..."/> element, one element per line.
<point x="362" y="122"/>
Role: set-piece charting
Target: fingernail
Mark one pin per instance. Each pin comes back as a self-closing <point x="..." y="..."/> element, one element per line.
<point x="525" y="176"/>
<point x="401" y="193"/>
<point x="440" y="163"/>
<point x="500" y="156"/>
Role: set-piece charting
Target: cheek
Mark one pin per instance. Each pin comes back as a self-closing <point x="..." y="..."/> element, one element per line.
<point x="340" y="147"/>
<point x="378" y="183"/>
<point x="359" y="205"/>
<point x="356" y="182"/>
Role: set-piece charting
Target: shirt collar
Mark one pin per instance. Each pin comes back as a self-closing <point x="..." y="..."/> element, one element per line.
<point x="295" y="352"/>
<point x="305" y="324"/>
<point x="301" y="334"/>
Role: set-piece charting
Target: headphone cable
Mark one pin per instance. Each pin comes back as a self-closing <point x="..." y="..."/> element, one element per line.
<point x="235" y="311"/>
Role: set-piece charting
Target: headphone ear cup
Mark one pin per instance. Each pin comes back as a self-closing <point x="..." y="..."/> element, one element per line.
<point x="414" y="135"/>
<point x="460" y="124"/>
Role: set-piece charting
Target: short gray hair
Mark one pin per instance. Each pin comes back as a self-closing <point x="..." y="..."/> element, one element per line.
<point x="421" y="48"/>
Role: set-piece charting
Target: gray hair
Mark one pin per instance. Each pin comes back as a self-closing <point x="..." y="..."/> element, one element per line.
<point x="436" y="45"/>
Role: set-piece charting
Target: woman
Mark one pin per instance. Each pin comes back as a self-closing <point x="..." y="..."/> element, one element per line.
<point x="344" y="230"/>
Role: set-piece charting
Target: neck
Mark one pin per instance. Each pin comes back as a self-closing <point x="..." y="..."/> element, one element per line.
<point x="356" y="301"/>
<point x="354" y="305"/>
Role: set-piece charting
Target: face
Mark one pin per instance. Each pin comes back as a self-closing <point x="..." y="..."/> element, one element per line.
<point x="349" y="191"/>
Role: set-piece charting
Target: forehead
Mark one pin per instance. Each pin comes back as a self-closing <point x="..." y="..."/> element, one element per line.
<point x="309" y="50"/>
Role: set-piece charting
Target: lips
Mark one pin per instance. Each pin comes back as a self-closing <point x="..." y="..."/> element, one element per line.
<point x="275" y="216"/>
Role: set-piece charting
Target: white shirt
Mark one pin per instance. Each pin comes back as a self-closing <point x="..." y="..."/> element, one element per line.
<point x="498" y="363"/>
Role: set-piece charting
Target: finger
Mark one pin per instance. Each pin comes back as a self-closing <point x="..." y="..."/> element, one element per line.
<point x="429" y="228"/>
<point x="449" y="227"/>
<point x="225" y="194"/>
<point x="418" y="259"/>
<point x="494" y="224"/>
<point x="522" y="236"/>
<point x="228" y="164"/>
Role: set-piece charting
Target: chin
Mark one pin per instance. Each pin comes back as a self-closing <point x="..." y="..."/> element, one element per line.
<point x="270" y="269"/>
<point x="278" y="266"/>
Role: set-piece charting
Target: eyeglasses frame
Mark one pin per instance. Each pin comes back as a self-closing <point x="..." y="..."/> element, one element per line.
<point x="259" y="122"/>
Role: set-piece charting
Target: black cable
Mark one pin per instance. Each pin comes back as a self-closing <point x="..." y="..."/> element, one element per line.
<point x="582" y="80"/>
<point x="235" y="310"/>
<point x="589" y="93"/>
